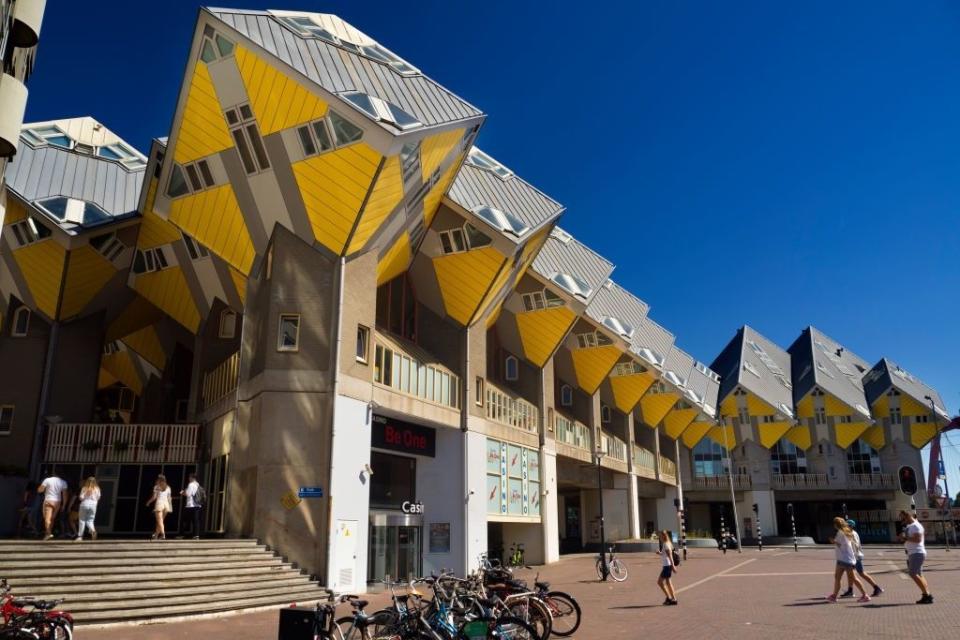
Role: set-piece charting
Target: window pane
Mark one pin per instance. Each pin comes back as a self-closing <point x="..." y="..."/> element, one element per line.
<point x="194" y="177"/>
<point x="258" y="148"/>
<point x="59" y="141"/>
<point x="456" y="236"/>
<point x="109" y="153"/>
<point x="207" y="54"/>
<point x="344" y="131"/>
<point x="244" y="150"/>
<point x="477" y="239"/>
<point x="245" y="112"/>
<point x="306" y="141"/>
<point x="224" y="46"/>
<point x="323" y="136"/>
<point x="205" y="173"/>
<point x="178" y="185"/>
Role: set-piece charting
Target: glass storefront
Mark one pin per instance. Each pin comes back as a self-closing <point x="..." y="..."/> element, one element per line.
<point x="395" y="549"/>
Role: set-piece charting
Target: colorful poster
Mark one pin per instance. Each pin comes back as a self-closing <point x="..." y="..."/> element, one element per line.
<point x="494" y="495"/>
<point x="514" y="463"/>
<point x="515" y="497"/>
<point x="439" y="537"/>
<point x="533" y="492"/>
<point x="533" y="466"/>
<point x="493" y="457"/>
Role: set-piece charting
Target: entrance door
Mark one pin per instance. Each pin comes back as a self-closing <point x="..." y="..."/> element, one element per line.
<point x="572" y="519"/>
<point x="107" y="479"/>
<point x="408" y="552"/>
<point x="396" y="546"/>
<point x="346" y="556"/>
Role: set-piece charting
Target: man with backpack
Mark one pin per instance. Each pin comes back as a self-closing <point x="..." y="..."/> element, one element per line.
<point x="196" y="498"/>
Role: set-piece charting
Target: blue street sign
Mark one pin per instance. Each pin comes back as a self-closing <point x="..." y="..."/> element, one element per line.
<point x="310" y="492"/>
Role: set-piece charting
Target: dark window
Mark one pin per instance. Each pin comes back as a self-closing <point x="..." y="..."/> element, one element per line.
<point x="394" y="480"/>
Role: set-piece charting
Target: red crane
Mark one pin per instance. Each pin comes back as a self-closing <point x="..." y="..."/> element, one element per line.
<point x="936" y="453"/>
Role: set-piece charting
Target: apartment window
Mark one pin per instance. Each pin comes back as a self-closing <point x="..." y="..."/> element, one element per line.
<point x="409" y="160"/>
<point x="545" y="299"/>
<point x="150" y="260"/>
<point x="707" y="459"/>
<point x="111" y="348"/>
<point x="893" y="393"/>
<point x="6" y="419"/>
<point x="862" y="458"/>
<point x="228" y="324"/>
<point x="895" y="417"/>
<point x="566" y="395"/>
<point x="397" y="308"/>
<point x="478" y="391"/>
<point x="627" y="369"/>
<point x="592" y="339"/>
<point x="244" y="130"/>
<point x="108" y="245"/>
<point x="743" y="416"/>
<point x="125" y="400"/>
<point x="846" y="419"/>
<point x="29" y="231"/>
<point x="194" y="248"/>
<point x="462" y="239"/>
<point x="381" y="110"/>
<point x="820" y="415"/>
<point x="604" y="414"/>
<point x="363" y="343"/>
<point x="511" y="368"/>
<point x="288" y="335"/>
<point x="769" y="419"/>
<point x="214" y="46"/>
<point x="21" y="322"/>
<point x="921" y="419"/>
<point x="190" y="178"/>
<point x="786" y="457"/>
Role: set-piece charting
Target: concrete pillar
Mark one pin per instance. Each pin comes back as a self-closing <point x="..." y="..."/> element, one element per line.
<point x="633" y="500"/>
<point x="550" y="513"/>
<point x="667" y="512"/>
<point x="766" y="502"/>
<point x="475" y="447"/>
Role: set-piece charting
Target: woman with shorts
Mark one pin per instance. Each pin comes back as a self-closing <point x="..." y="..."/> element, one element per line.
<point x="846" y="560"/>
<point x="667" y="569"/>
<point x="161" y="506"/>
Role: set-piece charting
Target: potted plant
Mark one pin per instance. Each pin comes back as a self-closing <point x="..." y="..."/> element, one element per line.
<point x="152" y="445"/>
<point x="91" y="445"/>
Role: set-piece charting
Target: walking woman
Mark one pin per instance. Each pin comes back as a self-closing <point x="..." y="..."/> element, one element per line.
<point x="667" y="569"/>
<point x="866" y="577"/>
<point x="846" y="560"/>
<point x="161" y="506"/>
<point x="89" y="497"/>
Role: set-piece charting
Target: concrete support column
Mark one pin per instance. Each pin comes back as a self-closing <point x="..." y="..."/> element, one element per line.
<point x="765" y="501"/>
<point x="549" y="508"/>
<point x="475" y="447"/>
<point x="667" y="512"/>
<point x="633" y="500"/>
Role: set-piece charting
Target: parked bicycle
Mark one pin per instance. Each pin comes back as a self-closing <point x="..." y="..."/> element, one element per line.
<point x="616" y="569"/>
<point x="516" y="555"/>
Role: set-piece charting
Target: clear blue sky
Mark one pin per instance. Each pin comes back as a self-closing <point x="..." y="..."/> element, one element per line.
<point x="745" y="162"/>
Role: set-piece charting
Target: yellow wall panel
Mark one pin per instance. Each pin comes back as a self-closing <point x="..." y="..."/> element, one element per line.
<point x="431" y="202"/>
<point x="203" y="130"/>
<point x="695" y="432"/>
<point x="800" y="436"/>
<point x="105" y="379"/>
<point x="881" y="408"/>
<point x="333" y="187"/>
<point x="771" y="432"/>
<point x="627" y="390"/>
<point x="436" y="147"/>
<point x="168" y="290"/>
<point x="655" y="406"/>
<point x="155" y="231"/>
<point x="240" y="282"/>
<point x="527" y="254"/>
<point x="593" y="364"/>
<point x="496" y="287"/>
<point x="845" y="434"/>
<point x="395" y="261"/>
<point x="910" y="407"/>
<point x="836" y="407"/>
<point x="921" y="434"/>
<point x="729" y="406"/>
<point x="675" y="422"/>
<point x="724" y="436"/>
<point x="758" y="407"/>
<point x="278" y="101"/>
<point x="875" y="437"/>
<point x="805" y="407"/>
<point x="15" y="211"/>
<point x="41" y="265"/>
<point x="213" y="217"/>
<point x="386" y="195"/>
<point x="120" y="366"/>
<point x="135" y="316"/>
<point x="463" y="279"/>
<point x="146" y="343"/>
<point x="87" y="273"/>
<point x="542" y="331"/>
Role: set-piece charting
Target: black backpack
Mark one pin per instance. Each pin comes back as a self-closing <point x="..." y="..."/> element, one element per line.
<point x="676" y="557"/>
<point x="200" y="497"/>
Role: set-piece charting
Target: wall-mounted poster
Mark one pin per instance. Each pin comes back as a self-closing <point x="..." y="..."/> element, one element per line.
<point x="496" y="501"/>
<point x="515" y="497"/>
<point x="513" y="479"/>
<point x="439" y="537"/>
<point x="533" y="466"/>
<point x="493" y="457"/>
<point x="533" y="491"/>
<point x="514" y="462"/>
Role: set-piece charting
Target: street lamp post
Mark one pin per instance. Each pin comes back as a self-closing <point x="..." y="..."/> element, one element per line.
<point x="793" y="525"/>
<point x="604" y="569"/>
<point x="733" y="498"/>
<point x="946" y="488"/>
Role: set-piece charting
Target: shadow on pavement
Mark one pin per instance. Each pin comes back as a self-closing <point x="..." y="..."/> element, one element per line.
<point x="815" y="603"/>
<point x="884" y="606"/>
<point x="637" y="606"/>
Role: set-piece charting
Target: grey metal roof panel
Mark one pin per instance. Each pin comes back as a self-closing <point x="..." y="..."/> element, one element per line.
<point x="818" y="360"/>
<point x="564" y="254"/>
<point x="476" y="187"/>
<point x="887" y="373"/>
<point x="337" y="70"/>
<point x="759" y="366"/>
<point x="613" y="301"/>
<point x="679" y="363"/>
<point x="652" y="339"/>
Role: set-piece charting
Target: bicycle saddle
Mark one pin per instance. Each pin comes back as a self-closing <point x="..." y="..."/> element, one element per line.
<point x="359" y="604"/>
<point x="542" y="585"/>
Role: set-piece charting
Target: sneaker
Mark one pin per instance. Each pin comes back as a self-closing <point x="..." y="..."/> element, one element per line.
<point x="672" y="602"/>
<point x="876" y="591"/>
<point x="831" y="598"/>
<point x="49" y="536"/>
<point x="863" y="598"/>
<point x="848" y="593"/>
<point x="925" y="599"/>
<point x="667" y="601"/>
<point x="78" y="539"/>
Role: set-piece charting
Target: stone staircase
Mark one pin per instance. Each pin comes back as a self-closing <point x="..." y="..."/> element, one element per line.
<point x="113" y="581"/>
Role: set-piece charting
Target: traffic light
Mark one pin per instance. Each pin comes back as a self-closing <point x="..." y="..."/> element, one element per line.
<point x="756" y="509"/>
<point x="790" y="508"/>
<point x="908" y="480"/>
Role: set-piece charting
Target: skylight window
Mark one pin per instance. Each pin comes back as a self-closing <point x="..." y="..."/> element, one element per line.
<point x="306" y="27"/>
<point x="122" y="154"/>
<point x="74" y="211"/>
<point x="650" y="356"/>
<point x="695" y="397"/>
<point x="785" y="410"/>
<point x="561" y="235"/>
<point x="710" y="410"/>
<point x="49" y="134"/>
<point x="381" y="110"/>
<point x="619" y="327"/>
<point x="572" y="284"/>
<point x="505" y="222"/>
<point x="481" y="160"/>
<point x="675" y="379"/>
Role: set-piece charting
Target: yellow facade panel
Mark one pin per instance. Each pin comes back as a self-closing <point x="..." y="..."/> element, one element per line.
<point x="431" y="202"/>
<point x="847" y="433"/>
<point x="922" y="433"/>
<point x="694" y="433"/>
<point x="805" y="407"/>
<point x="542" y="331"/>
<point x="437" y="147"/>
<point x="729" y="406"/>
<point x="758" y="407"/>
<point x="881" y="408"/>
<point x="384" y="198"/>
<point x="835" y="407"/>
<point x="168" y="290"/>
<point x="395" y="261"/>
<point x="203" y="129"/>
<point x="146" y="342"/>
<point x="120" y="366"/>
<point x="463" y="279"/>
<point x="627" y="390"/>
<point x="875" y="437"/>
<point x="910" y="407"/>
<point x="105" y="379"/>
<point x="800" y="436"/>
<point x="655" y="406"/>
<point x="15" y="212"/>
<point x="135" y="316"/>
<point x="593" y="364"/>
<point x="676" y="422"/>
<point x="214" y="218"/>
<point x="41" y="265"/>
<point x="725" y="435"/>
<point x="87" y="273"/>
<point x="771" y="432"/>
<point x="240" y="282"/>
<point x="155" y="231"/>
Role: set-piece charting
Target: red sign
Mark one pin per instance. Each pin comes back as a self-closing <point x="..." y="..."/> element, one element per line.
<point x="406" y="437"/>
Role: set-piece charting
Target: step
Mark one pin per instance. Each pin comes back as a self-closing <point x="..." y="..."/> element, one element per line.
<point x="187" y="597"/>
<point x="46" y="578"/>
<point x="81" y="550"/>
<point x="202" y="607"/>
<point x="124" y="565"/>
<point x="120" y="591"/>
<point x="10" y="546"/>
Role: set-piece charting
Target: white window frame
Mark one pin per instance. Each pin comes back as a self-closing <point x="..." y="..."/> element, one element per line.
<point x="509" y="361"/>
<point x="112" y="247"/>
<point x="196" y="250"/>
<point x="743" y="416"/>
<point x="363" y="337"/>
<point x="478" y="390"/>
<point x="227" y="331"/>
<point x="820" y="415"/>
<point x="6" y="416"/>
<point x="154" y="259"/>
<point x="533" y="301"/>
<point x="295" y="347"/>
<point x="449" y="235"/>
<point x="247" y="137"/>
<point x="21" y="311"/>
<point x="27" y="232"/>
<point x="566" y="395"/>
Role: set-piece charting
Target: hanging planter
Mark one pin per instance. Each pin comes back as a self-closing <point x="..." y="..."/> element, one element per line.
<point x="91" y="445"/>
<point x="119" y="446"/>
<point x="152" y="445"/>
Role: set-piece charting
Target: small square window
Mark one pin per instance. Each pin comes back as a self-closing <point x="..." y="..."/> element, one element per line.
<point x="363" y="343"/>
<point x="6" y="420"/>
<point x="288" y="336"/>
<point x="21" y="322"/>
<point x="228" y="324"/>
<point x="511" y="368"/>
<point x="478" y="391"/>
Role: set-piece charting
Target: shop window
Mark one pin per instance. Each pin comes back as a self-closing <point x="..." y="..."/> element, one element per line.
<point x="21" y="322"/>
<point x="228" y="324"/>
<point x="363" y="343"/>
<point x="6" y="419"/>
<point x="511" y="368"/>
<point x="394" y="480"/>
<point x="566" y="395"/>
<point x="288" y="335"/>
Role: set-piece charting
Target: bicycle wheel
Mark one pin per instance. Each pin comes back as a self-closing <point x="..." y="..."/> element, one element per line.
<point x="534" y="612"/>
<point x="600" y="569"/>
<point x="565" y="611"/>
<point x="502" y="628"/>
<point x="618" y="570"/>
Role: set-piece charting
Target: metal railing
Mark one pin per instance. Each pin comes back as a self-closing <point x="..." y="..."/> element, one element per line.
<point x="221" y="381"/>
<point x="668" y="469"/>
<point x="613" y="447"/>
<point x="407" y="374"/>
<point x="722" y="482"/>
<point x="506" y="408"/>
<point x="95" y="442"/>
<point x="871" y="481"/>
<point x="573" y="433"/>
<point x="644" y="462"/>
<point x="800" y="481"/>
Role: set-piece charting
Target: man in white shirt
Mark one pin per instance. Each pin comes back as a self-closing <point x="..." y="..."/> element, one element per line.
<point x="192" y="507"/>
<point x="53" y="489"/>
<point x="912" y="538"/>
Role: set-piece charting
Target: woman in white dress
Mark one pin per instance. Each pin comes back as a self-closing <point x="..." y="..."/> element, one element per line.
<point x="161" y="506"/>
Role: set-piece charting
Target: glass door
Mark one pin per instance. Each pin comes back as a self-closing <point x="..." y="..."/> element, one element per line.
<point x="107" y="479"/>
<point x="408" y="552"/>
<point x="394" y="550"/>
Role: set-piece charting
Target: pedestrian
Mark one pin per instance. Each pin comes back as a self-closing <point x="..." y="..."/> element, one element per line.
<point x="846" y="560"/>
<point x="89" y="497"/>
<point x="667" y="568"/>
<point x="70" y="513"/>
<point x="193" y="505"/>
<point x="912" y="539"/>
<point x="26" y="523"/>
<point x="866" y="577"/>
<point x="53" y="489"/>
<point x="161" y="506"/>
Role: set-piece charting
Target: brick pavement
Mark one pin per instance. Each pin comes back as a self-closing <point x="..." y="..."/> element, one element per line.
<point x="776" y="593"/>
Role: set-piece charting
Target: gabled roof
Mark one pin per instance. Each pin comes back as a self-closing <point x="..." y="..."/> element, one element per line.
<point x="343" y="68"/>
<point x="563" y="255"/>
<point x="524" y="208"/>
<point x="759" y="366"/>
<point x="886" y="374"/>
<point x="819" y="361"/>
<point x="79" y="165"/>
<point x="618" y="310"/>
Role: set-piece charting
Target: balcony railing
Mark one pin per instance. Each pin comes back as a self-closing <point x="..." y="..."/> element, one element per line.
<point x="573" y="433"/>
<point x="644" y="462"/>
<point x="614" y="447"/>
<point x="505" y="408"/>
<point x="406" y="373"/>
<point x="84" y="442"/>
<point x="871" y="481"/>
<point x="668" y="470"/>
<point x="740" y="481"/>
<point x="800" y="481"/>
<point x="221" y="381"/>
